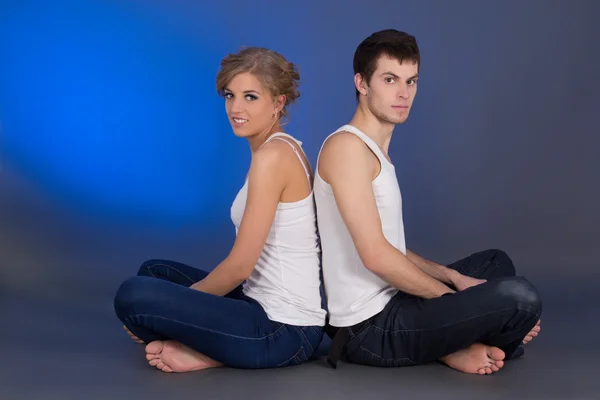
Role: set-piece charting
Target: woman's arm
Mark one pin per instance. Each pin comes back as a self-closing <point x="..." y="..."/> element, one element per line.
<point x="266" y="181"/>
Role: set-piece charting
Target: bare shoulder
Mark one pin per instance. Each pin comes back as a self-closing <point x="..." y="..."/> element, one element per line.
<point x="342" y="143"/>
<point x="273" y="151"/>
<point x="275" y="160"/>
<point x="278" y="153"/>
<point x="267" y="161"/>
<point x="346" y="153"/>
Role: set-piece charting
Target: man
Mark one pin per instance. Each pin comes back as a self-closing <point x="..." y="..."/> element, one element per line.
<point x="388" y="306"/>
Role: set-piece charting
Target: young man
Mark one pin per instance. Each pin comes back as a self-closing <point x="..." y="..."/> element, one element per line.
<point x="388" y="306"/>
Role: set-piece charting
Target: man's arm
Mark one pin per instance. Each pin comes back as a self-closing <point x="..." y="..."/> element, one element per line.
<point x="444" y="274"/>
<point x="348" y="166"/>
<point x="266" y="181"/>
<point x="435" y="270"/>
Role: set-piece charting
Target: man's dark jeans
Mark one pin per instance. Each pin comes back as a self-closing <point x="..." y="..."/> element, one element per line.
<point x="411" y="330"/>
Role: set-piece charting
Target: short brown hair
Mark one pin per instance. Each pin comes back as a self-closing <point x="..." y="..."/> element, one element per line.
<point x="390" y="42"/>
<point x="278" y="75"/>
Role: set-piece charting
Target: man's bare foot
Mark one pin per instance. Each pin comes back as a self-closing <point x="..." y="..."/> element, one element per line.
<point x="131" y="335"/>
<point x="172" y="356"/>
<point x="476" y="359"/>
<point x="533" y="333"/>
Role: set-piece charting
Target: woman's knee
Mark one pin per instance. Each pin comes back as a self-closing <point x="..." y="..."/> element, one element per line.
<point x="130" y="293"/>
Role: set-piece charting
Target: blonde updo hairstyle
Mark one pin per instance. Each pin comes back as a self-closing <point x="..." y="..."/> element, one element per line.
<point x="272" y="70"/>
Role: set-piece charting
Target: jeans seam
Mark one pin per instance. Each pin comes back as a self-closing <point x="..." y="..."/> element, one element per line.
<point x="317" y="332"/>
<point x="485" y="264"/>
<point x="292" y="357"/>
<point x="206" y="329"/>
<point x="312" y="350"/>
<point x="170" y="267"/>
<point x="386" y="359"/>
<point x="450" y="324"/>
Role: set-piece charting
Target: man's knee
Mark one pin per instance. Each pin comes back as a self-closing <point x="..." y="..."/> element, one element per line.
<point x="521" y="293"/>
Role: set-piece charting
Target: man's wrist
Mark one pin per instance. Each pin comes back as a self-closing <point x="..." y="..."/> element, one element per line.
<point x="444" y="290"/>
<point x="451" y="275"/>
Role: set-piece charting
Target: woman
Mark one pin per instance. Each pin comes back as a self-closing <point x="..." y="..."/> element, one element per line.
<point x="193" y="320"/>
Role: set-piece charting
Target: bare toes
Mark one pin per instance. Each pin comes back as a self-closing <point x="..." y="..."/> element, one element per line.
<point x="495" y="368"/>
<point x="495" y="353"/>
<point x="488" y="370"/>
<point x="154" y="362"/>
<point x="499" y="364"/>
<point x="155" y="347"/>
<point x="481" y="371"/>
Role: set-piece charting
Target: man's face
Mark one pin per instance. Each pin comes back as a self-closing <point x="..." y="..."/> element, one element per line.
<point x="392" y="89"/>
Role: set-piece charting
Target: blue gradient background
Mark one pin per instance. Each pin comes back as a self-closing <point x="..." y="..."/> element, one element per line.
<point x="115" y="147"/>
<point x="111" y="108"/>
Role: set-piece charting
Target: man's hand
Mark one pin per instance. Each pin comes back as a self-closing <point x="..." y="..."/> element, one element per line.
<point x="462" y="282"/>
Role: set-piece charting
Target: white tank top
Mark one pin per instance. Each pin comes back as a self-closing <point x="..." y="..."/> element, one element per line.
<point x="285" y="280"/>
<point x="353" y="292"/>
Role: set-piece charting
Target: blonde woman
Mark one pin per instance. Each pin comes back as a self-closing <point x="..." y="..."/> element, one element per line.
<point x="261" y="306"/>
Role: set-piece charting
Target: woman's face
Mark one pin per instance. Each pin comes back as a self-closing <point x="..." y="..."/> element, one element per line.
<point x="249" y="105"/>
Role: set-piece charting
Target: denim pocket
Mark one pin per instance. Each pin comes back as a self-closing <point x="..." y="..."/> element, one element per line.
<point x="311" y="338"/>
<point x="296" y="359"/>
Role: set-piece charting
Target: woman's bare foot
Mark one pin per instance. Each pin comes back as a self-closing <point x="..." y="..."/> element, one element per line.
<point x="476" y="359"/>
<point x="131" y="335"/>
<point x="533" y="333"/>
<point x="172" y="356"/>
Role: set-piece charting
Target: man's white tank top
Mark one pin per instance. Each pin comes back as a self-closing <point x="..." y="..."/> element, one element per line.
<point x="353" y="292"/>
<point x="285" y="280"/>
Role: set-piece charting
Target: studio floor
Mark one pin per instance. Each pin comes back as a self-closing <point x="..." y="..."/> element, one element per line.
<point x="61" y="349"/>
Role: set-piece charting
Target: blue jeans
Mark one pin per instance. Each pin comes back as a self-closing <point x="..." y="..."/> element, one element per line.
<point x="158" y="304"/>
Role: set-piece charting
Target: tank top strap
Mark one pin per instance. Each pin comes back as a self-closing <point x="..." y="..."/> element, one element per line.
<point x="283" y="137"/>
<point x="367" y="140"/>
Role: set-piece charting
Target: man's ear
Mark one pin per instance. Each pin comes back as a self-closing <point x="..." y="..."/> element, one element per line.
<point x="361" y="84"/>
